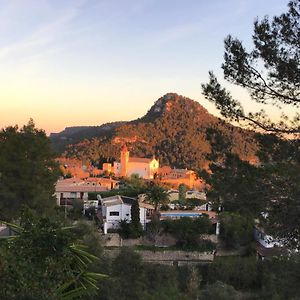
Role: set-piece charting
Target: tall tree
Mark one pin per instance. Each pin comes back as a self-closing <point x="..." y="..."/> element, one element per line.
<point x="237" y="186"/>
<point x="135" y="213"/>
<point x="28" y="171"/>
<point x="270" y="72"/>
<point x="135" y="224"/>
<point x="182" y="191"/>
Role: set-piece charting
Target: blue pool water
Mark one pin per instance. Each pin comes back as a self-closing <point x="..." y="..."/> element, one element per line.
<point x="174" y="215"/>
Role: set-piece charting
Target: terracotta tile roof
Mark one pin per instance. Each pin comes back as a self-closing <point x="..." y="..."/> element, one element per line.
<point x="139" y="160"/>
<point x="69" y="181"/>
<point x="79" y="188"/>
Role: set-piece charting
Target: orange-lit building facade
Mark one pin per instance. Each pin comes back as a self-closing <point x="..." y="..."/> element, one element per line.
<point x="146" y="168"/>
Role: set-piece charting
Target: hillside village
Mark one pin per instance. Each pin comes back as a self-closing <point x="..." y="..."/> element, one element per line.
<point x="100" y="191"/>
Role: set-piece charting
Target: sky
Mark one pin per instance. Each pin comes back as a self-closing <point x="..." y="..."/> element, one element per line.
<point x="87" y="62"/>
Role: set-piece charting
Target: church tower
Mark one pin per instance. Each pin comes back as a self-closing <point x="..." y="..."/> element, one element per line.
<point x="124" y="161"/>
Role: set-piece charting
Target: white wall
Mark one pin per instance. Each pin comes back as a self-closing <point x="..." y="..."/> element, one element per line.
<point x="142" y="169"/>
<point x="124" y="214"/>
<point x="265" y="240"/>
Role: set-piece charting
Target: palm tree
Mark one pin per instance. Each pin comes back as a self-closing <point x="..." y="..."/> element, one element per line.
<point x="59" y="264"/>
<point x="157" y="196"/>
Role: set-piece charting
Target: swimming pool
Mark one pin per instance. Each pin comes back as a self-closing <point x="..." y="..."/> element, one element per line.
<point x="180" y="214"/>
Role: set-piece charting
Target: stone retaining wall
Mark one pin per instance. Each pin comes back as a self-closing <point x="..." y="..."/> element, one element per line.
<point x="169" y="257"/>
<point x="176" y="256"/>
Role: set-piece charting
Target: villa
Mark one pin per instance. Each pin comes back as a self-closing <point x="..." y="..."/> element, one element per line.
<point x="118" y="208"/>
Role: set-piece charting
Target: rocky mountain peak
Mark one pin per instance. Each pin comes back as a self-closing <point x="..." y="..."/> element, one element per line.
<point x="172" y="102"/>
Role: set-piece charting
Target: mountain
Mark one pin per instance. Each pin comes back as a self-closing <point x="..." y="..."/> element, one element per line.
<point x="73" y="135"/>
<point x="176" y="129"/>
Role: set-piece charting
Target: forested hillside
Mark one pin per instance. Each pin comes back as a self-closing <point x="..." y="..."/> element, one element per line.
<point x="176" y="129"/>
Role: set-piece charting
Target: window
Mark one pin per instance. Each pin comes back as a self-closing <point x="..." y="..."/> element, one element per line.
<point x="113" y="213"/>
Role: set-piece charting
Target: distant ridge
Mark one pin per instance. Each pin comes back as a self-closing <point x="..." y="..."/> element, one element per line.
<point x="178" y="130"/>
<point x="75" y="134"/>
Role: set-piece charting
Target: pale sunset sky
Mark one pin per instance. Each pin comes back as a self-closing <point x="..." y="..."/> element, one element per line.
<point x="87" y="62"/>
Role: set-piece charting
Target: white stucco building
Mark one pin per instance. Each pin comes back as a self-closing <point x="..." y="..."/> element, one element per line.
<point x="117" y="208"/>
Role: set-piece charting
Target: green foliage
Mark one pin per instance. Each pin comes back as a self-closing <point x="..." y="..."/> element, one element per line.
<point x="75" y="212"/>
<point x="236" y="230"/>
<point x="182" y="191"/>
<point x="272" y="188"/>
<point x="161" y="282"/>
<point x="187" y="231"/>
<point x="28" y="171"/>
<point x="189" y="281"/>
<point x="127" y="268"/>
<point x="135" y="224"/>
<point x="129" y="187"/>
<point x="273" y="149"/>
<point x="220" y="144"/>
<point x="224" y="278"/>
<point x="135" y="182"/>
<point x="157" y="196"/>
<point x="282" y="182"/>
<point x="275" y="278"/>
<point x="91" y="213"/>
<point x="191" y="203"/>
<point x="236" y="185"/>
<point x="240" y="272"/>
<point x="154" y="229"/>
<point x="130" y="279"/>
<point x="89" y="235"/>
<point x="220" y="291"/>
<point x="43" y="262"/>
<point x="129" y="231"/>
<point x="124" y="229"/>
<point x="280" y="278"/>
<point x="269" y="72"/>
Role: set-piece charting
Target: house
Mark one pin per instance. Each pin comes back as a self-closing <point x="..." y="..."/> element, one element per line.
<point x="117" y="208"/>
<point x="73" y="167"/>
<point x="146" y="168"/>
<point x="193" y="194"/>
<point x="68" y="190"/>
<point x="175" y="177"/>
